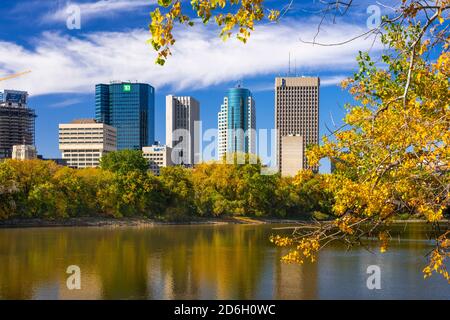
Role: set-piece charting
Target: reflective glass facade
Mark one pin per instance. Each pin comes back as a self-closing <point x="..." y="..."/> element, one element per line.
<point x="130" y="108"/>
<point x="240" y="120"/>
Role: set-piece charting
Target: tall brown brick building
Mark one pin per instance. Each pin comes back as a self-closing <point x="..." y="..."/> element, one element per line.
<point x="297" y="113"/>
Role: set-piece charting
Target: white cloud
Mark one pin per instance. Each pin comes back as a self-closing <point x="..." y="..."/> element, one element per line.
<point x="90" y="10"/>
<point x="66" y="103"/>
<point x="333" y="80"/>
<point x="62" y="63"/>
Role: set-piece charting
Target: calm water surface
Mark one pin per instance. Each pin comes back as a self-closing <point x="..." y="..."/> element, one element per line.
<point x="202" y="262"/>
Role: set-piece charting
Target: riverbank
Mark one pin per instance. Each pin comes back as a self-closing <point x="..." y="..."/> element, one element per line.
<point x="145" y="222"/>
<point x="133" y="222"/>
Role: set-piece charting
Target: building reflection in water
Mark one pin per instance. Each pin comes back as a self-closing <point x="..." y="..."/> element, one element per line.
<point x="197" y="262"/>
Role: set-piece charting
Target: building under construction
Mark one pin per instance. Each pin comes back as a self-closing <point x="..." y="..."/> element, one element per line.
<point x="16" y="121"/>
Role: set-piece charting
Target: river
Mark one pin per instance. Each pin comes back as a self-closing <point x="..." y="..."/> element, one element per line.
<point x="204" y="262"/>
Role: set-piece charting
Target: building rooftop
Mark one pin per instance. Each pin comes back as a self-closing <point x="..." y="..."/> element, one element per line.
<point x="84" y="121"/>
<point x="297" y="81"/>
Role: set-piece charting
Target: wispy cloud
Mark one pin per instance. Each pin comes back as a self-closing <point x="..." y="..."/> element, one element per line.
<point x="333" y="80"/>
<point x="63" y="63"/>
<point x="65" y="103"/>
<point x="94" y="9"/>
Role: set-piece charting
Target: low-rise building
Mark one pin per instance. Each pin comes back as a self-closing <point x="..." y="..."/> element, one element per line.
<point x="292" y="155"/>
<point x="83" y="142"/>
<point x="158" y="156"/>
<point x="24" y="152"/>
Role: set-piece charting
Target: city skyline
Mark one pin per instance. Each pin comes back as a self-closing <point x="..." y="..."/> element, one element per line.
<point x="182" y="113"/>
<point x="61" y="88"/>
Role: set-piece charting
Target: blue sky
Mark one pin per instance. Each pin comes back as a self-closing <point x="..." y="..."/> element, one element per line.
<point x="111" y="45"/>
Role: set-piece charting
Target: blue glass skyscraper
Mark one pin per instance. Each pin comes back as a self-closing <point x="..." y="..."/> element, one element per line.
<point x="130" y="108"/>
<point x="237" y="122"/>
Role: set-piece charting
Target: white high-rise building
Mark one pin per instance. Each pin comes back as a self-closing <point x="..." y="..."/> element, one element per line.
<point x="83" y="142"/>
<point x="183" y="129"/>
<point x="222" y="126"/>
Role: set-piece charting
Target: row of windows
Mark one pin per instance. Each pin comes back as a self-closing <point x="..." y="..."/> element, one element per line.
<point x="81" y="159"/>
<point x="288" y="88"/>
<point x="74" y="137"/>
<point x="62" y="141"/>
<point x="81" y="129"/>
<point x="297" y="109"/>
<point x="83" y="164"/>
<point x="99" y="133"/>
<point x="153" y="157"/>
<point x="83" y="150"/>
<point x="72" y="154"/>
<point x="96" y="138"/>
<point x="295" y="120"/>
<point x="297" y="95"/>
<point x="298" y="115"/>
<point x="304" y="131"/>
<point x="82" y="137"/>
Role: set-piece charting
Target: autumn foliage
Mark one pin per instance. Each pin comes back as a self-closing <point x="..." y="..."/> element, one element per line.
<point x="392" y="154"/>
<point x="42" y="189"/>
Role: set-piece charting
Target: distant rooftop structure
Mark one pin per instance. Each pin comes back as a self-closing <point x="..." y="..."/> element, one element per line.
<point x="84" y="121"/>
<point x="13" y="97"/>
<point x="121" y="81"/>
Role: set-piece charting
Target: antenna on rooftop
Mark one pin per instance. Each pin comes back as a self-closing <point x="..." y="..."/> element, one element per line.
<point x="295" y="67"/>
<point x="289" y="64"/>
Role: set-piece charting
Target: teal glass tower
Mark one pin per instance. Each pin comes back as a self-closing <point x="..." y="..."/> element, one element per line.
<point x="237" y="122"/>
<point x="130" y="108"/>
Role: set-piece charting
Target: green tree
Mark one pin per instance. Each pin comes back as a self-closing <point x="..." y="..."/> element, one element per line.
<point x="124" y="161"/>
<point x="133" y="193"/>
<point x="177" y="181"/>
<point x="9" y="191"/>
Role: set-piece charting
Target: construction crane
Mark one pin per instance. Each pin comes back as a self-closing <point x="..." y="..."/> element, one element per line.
<point x="12" y="76"/>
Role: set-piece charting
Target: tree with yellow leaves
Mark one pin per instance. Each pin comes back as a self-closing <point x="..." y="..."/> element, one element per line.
<point x="392" y="155"/>
<point x="247" y="13"/>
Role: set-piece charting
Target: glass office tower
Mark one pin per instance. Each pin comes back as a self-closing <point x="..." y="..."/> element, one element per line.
<point x="237" y="122"/>
<point x="130" y="108"/>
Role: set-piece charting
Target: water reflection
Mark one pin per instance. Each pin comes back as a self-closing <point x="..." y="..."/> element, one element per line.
<point x="200" y="262"/>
